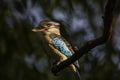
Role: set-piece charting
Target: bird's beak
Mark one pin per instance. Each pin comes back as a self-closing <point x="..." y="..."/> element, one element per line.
<point x="37" y="29"/>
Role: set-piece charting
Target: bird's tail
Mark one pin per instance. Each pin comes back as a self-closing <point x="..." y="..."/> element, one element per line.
<point x="78" y="74"/>
<point x="75" y="69"/>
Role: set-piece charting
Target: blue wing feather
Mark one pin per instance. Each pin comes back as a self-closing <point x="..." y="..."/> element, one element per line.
<point x="61" y="45"/>
<point x="63" y="48"/>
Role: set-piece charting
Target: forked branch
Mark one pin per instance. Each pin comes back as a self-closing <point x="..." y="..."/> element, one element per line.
<point x="107" y="19"/>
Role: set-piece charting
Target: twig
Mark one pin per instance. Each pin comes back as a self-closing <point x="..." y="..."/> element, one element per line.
<point x="108" y="19"/>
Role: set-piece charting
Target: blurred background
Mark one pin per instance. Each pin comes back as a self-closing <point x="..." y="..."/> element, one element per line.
<point x="22" y="56"/>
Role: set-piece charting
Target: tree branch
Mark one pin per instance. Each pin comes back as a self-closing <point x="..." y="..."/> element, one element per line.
<point x="108" y="19"/>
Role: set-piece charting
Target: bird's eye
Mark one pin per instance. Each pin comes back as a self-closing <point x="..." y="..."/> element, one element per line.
<point x="45" y="29"/>
<point x="48" y="25"/>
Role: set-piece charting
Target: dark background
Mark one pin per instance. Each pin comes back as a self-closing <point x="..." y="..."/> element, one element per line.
<point x="22" y="56"/>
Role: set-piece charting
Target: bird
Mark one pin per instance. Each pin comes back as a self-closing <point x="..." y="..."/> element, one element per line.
<point x="57" y="46"/>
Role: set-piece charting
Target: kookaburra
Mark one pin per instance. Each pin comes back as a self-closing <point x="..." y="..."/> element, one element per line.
<point x="57" y="46"/>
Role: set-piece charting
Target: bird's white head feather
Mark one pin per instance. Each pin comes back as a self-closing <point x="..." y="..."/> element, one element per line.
<point x="48" y="27"/>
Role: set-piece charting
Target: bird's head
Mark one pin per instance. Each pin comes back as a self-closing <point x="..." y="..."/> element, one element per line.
<point x="47" y="27"/>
